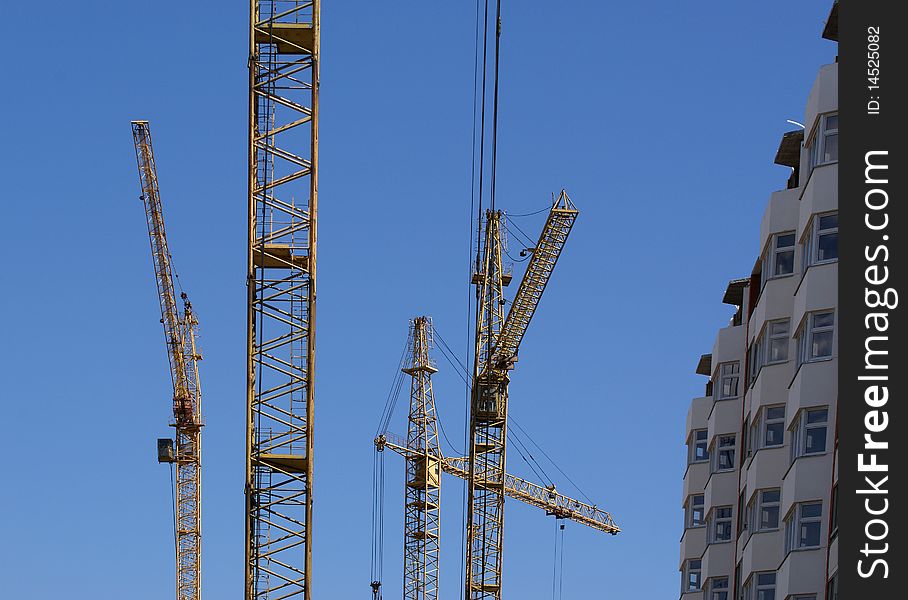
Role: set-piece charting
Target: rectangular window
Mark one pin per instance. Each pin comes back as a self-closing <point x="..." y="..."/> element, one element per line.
<point x="695" y="511"/>
<point x="809" y="432"/>
<point x="823" y="147"/>
<point x="692" y="573"/>
<point x="724" y="454"/>
<point x="779" y="258"/>
<point x="815" y="340"/>
<point x="728" y="380"/>
<point x="803" y="525"/>
<point x="777" y="344"/>
<point x="821" y="242"/>
<point x="834" y="509"/>
<point x="772" y="425"/>
<point x="768" y="511"/>
<point x="765" y="586"/>
<point x="770" y="347"/>
<point x="832" y="588"/>
<point x="718" y="588"/>
<point x="721" y="524"/>
<point x="699" y="451"/>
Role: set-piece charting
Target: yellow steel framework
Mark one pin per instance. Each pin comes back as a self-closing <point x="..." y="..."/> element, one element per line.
<point x="180" y="338"/>
<point x="283" y="208"/>
<point x="423" y="481"/>
<point x="497" y="341"/>
<point x="544" y="497"/>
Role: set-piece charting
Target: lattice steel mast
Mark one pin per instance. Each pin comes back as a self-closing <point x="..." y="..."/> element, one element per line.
<point x="496" y="344"/>
<point x="423" y="483"/>
<point x="283" y="209"/>
<point x="183" y="356"/>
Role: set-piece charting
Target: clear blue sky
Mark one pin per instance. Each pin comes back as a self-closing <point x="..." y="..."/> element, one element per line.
<point x="661" y="119"/>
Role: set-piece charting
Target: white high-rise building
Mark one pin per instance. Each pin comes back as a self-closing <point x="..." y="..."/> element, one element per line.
<point x="759" y="493"/>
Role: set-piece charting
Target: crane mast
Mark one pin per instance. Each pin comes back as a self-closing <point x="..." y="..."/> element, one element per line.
<point x="423" y="479"/>
<point x="497" y="340"/>
<point x="180" y="340"/>
<point x="281" y="293"/>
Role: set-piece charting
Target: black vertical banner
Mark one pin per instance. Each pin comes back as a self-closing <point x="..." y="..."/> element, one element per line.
<point x="873" y="269"/>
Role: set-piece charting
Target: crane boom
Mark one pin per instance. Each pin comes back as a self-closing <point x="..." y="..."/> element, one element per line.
<point x="180" y="340"/>
<point x="546" y="498"/>
<point x="538" y="272"/>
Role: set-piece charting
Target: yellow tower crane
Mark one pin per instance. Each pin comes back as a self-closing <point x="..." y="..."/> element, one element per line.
<point x="497" y="340"/>
<point x="425" y="463"/>
<point x="185" y="450"/>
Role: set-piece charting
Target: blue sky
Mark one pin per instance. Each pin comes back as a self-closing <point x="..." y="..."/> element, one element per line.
<point x="661" y="120"/>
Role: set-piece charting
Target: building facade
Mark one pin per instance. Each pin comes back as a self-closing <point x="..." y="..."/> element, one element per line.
<point x="759" y="491"/>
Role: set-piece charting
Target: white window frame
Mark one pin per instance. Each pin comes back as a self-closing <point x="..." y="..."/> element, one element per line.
<point x="765" y="420"/>
<point x="808" y="332"/>
<point x="775" y="332"/>
<point x="803" y="425"/>
<point x="731" y="374"/>
<point x="796" y="521"/>
<point x="832" y="587"/>
<point x="812" y="240"/>
<point x="686" y="584"/>
<point x="689" y="508"/>
<point x="715" y="521"/>
<point x="758" y="504"/>
<point x="715" y="591"/>
<point x="695" y="443"/>
<point x="819" y="141"/>
<point x="761" y="581"/>
<point x="771" y="256"/>
<point x="721" y="444"/>
<point x="761" y="350"/>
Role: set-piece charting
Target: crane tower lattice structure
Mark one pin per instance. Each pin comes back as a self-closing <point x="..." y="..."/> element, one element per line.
<point x="180" y="338"/>
<point x="281" y="261"/>
<point x="422" y="496"/>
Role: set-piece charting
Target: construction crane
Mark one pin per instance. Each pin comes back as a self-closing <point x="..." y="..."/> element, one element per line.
<point x="425" y="462"/>
<point x="497" y="341"/>
<point x="281" y="293"/>
<point x="185" y="451"/>
<point x="547" y="498"/>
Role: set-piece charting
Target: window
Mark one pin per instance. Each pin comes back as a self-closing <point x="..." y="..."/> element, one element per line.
<point x="823" y="147"/>
<point x="718" y="588"/>
<point x="832" y="588"/>
<point x="802" y="528"/>
<point x="724" y="455"/>
<point x="771" y="347"/>
<point x="777" y="344"/>
<point x="742" y="500"/>
<point x="720" y="530"/>
<point x="809" y="432"/>
<point x="815" y="340"/>
<point x="728" y="380"/>
<point x="804" y="597"/>
<point x="761" y="586"/>
<point x="763" y="510"/>
<point x="772" y="426"/>
<point x="695" y="511"/>
<point x="821" y="242"/>
<point x="779" y="257"/>
<point x="691" y="576"/>
<point x="834" y="509"/>
<point x="698" y="447"/>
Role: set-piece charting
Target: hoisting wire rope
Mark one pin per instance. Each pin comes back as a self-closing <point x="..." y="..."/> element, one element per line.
<point x="521" y="447"/>
<point x="378" y="521"/>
